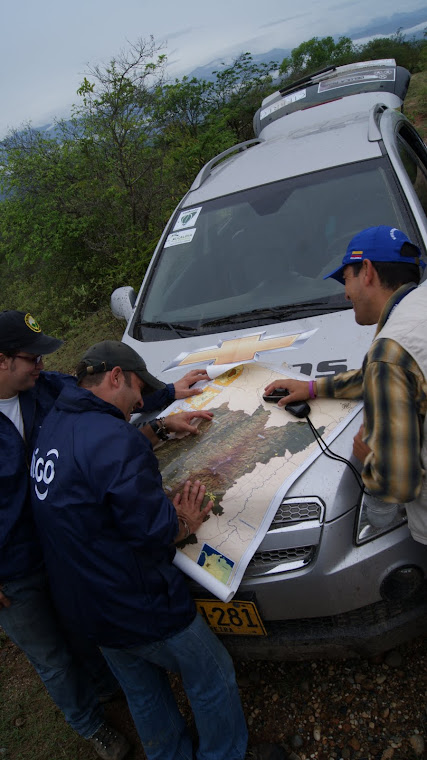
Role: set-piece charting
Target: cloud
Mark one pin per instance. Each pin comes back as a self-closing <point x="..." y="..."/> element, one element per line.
<point x="47" y="47"/>
<point x="283" y="21"/>
<point x="181" y="33"/>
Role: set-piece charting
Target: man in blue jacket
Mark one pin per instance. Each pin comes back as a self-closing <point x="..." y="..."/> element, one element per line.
<point x="108" y="532"/>
<point x="26" y="612"/>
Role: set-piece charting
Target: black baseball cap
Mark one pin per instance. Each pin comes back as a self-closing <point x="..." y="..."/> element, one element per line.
<point x="19" y="331"/>
<point x="108" y="354"/>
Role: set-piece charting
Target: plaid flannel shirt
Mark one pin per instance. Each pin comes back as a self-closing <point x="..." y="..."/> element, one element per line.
<point x="394" y="392"/>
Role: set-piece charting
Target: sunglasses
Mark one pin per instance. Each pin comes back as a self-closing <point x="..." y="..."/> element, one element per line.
<point x="31" y="359"/>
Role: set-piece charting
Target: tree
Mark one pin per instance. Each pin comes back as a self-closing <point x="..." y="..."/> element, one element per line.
<point x="115" y="130"/>
<point x="317" y="53"/>
<point x="82" y="208"/>
<point x="198" y="119"/>
<point x="239" y="90"/>
<point x="405" y="52"/>
<point x="188" y="133"/>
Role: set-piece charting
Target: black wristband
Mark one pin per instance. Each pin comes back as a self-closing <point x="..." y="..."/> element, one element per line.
<point x="159" y="428"/>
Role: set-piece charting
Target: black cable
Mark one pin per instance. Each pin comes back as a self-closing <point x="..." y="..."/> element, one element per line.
<point x="333" y="455"/>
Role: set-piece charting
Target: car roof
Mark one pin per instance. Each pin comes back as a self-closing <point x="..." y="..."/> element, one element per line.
<point x="328" y="135"/>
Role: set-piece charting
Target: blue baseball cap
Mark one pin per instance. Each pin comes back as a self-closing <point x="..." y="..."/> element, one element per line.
<point x="378" y="244"/>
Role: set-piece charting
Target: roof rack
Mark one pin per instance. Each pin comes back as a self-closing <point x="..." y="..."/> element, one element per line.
<point x="309" y="79"/>
<point x="332" y="83"/>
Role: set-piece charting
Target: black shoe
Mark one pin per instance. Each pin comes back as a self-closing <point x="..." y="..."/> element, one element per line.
<point x="109" y="696"/>
<point x="266" y="751"/>
<point x="109" y="744"/>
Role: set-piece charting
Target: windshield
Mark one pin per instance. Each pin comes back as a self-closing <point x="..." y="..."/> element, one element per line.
<point x="260" y="255"/>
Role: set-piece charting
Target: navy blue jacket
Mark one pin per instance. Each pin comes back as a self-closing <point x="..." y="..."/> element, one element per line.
<point x="20" y="550"/>
<point x="106" y="525"/>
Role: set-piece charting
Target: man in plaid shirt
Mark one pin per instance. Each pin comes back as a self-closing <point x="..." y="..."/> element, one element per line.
<point x="381" y="272"/>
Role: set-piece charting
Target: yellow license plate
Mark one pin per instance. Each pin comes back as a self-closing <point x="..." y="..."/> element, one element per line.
<point x="241" y="618"/>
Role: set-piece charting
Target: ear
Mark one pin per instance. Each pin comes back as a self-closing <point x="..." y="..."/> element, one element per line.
<point x="4" y="364"/>
<point x="369" y="272"/>
<point x="116" y="377"/>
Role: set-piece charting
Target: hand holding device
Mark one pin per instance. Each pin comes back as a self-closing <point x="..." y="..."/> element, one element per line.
<point x="299" y="409"/>
<point x="276" y="395"/>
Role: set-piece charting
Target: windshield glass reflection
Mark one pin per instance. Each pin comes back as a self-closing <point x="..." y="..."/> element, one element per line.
<point x="261" y="254"/>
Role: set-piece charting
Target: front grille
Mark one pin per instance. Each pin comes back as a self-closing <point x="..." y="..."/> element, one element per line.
<point x="292" y="539"/>
<point x="290" y="512"/>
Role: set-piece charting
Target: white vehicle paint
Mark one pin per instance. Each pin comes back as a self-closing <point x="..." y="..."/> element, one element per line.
<point x="239" y="270"/>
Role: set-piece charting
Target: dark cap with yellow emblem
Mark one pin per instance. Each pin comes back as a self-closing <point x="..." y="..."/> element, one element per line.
<point x="19" y="331"/>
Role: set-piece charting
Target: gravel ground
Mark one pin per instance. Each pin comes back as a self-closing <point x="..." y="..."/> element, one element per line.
<point x="339" y="709"/>
<point x="325" y="710"/>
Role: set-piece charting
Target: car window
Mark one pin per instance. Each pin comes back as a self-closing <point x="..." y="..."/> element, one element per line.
<point x="269" y="246"/>
<point x="414" y="159"/>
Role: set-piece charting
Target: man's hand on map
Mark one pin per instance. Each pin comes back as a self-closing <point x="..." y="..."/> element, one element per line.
<point x="298" y="390"/>
<point x="181" y="422"/>
<point x="188" y="508"/>
<point x="183" y="387"/>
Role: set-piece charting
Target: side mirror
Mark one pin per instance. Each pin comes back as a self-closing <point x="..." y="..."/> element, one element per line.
<point x="122" y="302"/>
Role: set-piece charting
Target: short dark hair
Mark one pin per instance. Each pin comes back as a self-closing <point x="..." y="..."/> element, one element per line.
<point x="393" y="274"/>
<point x="90" y="381"/>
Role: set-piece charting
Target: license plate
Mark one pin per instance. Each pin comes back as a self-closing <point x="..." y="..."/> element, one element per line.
<point x="241" y="618"/>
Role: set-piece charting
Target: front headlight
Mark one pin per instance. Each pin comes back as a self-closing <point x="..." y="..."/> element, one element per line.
<point x="376" y="517"/>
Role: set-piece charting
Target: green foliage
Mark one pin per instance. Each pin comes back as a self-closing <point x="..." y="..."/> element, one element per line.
<point x="83" y="209"/>
<point x="407" y="53"/>
<point x="416" y="102"/>
<point x="238" y="92"/>
<point x="317" y="53"/>
<point x="189" y="131"/>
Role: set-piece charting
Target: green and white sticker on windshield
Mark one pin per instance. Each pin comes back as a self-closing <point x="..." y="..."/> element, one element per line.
<point x="187" y="218"/>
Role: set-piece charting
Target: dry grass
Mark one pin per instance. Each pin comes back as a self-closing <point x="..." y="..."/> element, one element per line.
<point x="416" y="103"/>
<point x="101" y="325"/>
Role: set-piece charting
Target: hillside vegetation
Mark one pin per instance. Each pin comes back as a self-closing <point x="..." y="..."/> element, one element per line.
<point x="83" y="208"/>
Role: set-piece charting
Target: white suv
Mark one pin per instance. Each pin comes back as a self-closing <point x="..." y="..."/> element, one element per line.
<point x="244" y="254"/>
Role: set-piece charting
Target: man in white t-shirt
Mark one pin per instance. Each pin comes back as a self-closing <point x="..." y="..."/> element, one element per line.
<point x="74" y="679"/>
<point x="11" y="408"/>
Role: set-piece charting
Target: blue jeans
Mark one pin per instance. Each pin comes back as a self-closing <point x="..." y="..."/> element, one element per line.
<point x="32" y="624"/>
<point x="208" y="677"/>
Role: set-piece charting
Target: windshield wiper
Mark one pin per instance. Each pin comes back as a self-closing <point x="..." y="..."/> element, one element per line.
<point x="324" y="305"/>
<point x="180" y="330"/>
<point x="277" y="313"/>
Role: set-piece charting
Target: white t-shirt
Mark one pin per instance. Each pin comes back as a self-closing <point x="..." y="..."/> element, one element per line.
<point x="12" y="409"/>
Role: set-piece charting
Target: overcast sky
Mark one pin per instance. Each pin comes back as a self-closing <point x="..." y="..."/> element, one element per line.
<point x="46" y="45"/>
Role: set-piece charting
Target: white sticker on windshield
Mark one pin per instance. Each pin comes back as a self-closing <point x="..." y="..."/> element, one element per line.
<point x="178" y="238"/>
<point x="187" y="218"/>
